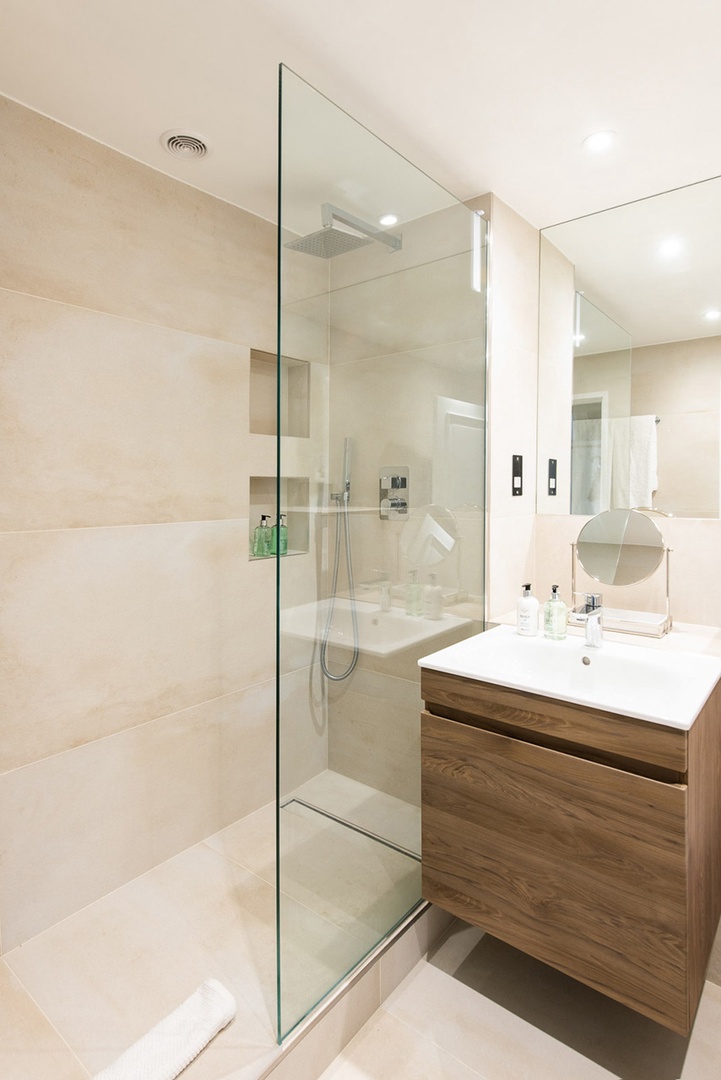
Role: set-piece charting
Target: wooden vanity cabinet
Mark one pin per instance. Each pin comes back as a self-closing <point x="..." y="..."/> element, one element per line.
<point x="588" y="840"/>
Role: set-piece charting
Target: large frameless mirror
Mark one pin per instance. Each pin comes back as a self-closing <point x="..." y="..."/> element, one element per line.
<point x="647" y="271"/>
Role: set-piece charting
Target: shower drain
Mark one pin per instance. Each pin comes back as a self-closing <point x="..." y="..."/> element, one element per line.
<point x="184" y="144"/>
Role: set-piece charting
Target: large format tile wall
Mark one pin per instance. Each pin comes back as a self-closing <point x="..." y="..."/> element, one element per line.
<point x="512" y="397"/>
<point x="137" y="655"/>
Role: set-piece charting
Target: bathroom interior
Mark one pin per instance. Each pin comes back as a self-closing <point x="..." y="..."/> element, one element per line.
<point x="211" y="737"/>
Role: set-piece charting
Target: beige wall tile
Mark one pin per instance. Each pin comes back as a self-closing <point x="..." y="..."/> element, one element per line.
<point x="688" y="463"/>
<point x="374" y="733"/>
<point x="555" y="375"/>
<point x="512" y="396"/>
<point x="109" y="628"/>
<point x="76" y="825"/>
<point x="86" y="225"/>
<point x="510" y="563"/>
<point x="303" y="744"/>
<point x="30" y="1048"/>
<point x="677" y="377"/>
<point x="110" y="421"/>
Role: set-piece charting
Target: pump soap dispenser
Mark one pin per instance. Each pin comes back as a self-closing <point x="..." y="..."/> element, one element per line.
<point x="555" y="616"/>
<point x="527" y="613"/>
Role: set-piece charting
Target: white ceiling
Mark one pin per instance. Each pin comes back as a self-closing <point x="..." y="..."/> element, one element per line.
<point x="480" y="96"/>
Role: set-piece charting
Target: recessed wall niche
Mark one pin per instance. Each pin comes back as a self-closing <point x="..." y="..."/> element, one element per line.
<point x="295" y="424"/>
<point x="295" y="395"/>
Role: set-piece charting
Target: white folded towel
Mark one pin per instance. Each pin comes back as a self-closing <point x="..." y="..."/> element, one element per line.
<point x="634" y="476"/>
<point x="172" y="1044"/>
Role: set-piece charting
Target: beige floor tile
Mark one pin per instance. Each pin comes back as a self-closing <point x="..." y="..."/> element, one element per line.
<point x="386" y="1049"/>
<point x="340" y="892"/>
<point x="512" y="1018"/>
<point x="364" y="806"/>
<point x="109" y="973"/>
<point x="355" y="882"/>
<point x="250" y="842"/>
<point x="30" y="1048"/>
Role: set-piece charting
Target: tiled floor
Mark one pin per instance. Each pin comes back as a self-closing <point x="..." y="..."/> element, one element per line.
<point x="476" y="1009"/>
<point x="75" y="997"/>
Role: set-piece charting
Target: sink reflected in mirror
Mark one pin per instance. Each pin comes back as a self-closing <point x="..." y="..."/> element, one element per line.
<point x="380" y="633"/>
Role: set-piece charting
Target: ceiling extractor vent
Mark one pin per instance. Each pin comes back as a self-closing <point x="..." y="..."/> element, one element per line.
<point x="184" y="144"/>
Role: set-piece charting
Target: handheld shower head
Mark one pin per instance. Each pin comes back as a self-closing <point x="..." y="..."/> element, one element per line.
<point x="347" y="453"/>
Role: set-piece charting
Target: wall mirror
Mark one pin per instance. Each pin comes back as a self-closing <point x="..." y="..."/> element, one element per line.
<point x="630" y="357"/>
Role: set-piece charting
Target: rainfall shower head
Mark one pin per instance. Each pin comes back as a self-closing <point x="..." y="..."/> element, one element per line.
<point x="330" y="241"/>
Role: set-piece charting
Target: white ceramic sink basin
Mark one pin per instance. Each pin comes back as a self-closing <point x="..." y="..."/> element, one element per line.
<point x="656" y="684"/>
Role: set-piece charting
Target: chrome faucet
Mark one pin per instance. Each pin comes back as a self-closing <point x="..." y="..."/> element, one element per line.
<point x="593" y="610"/>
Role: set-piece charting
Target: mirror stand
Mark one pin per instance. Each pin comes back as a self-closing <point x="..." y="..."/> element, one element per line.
<point x="621" y="620"/>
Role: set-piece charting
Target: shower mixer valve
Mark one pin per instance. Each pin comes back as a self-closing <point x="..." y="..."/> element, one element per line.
<point x="393" y="481"/>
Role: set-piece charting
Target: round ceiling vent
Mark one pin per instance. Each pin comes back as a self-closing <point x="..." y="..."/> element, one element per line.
<point x="184" y="144"/>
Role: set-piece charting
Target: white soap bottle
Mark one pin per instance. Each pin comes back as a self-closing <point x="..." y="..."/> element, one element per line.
<point x="527" y="613"/>
<point x="433" y="599"/>
<point x="414" y="594"/>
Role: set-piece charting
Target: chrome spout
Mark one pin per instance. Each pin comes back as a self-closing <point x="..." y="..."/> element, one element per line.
<point x="593" y="611"/>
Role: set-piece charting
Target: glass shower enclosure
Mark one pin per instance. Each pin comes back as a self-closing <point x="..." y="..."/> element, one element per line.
<point x="380" y="547"/>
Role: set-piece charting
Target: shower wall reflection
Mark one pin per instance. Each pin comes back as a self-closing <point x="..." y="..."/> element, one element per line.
<point x="391" y="327"/>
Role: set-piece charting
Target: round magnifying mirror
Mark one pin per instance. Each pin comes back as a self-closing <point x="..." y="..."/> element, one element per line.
<point x="620" y="547"/>
<point x="429" y="535"/>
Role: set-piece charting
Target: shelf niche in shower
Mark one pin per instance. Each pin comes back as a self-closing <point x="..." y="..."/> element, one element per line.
<point x="294" y="396"/>
<point x="293" y="503"/>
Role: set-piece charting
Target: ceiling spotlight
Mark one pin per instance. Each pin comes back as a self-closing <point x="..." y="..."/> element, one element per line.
<point x="670" y="248"/>
<point x="599" y="141"/>
<point x="712" y="314"/>
<point x="389" y="219"/>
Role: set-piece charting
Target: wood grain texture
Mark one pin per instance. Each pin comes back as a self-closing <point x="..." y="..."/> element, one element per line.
<point x="578" y="864"/>
<point x="704" y="840"/>
<point x="619" y="736"/>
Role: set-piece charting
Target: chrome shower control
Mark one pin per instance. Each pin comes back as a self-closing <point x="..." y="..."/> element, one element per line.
<point x="393" y="482"/>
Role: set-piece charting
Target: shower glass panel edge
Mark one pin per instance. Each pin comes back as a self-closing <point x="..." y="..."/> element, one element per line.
<point x="381" y="476"/>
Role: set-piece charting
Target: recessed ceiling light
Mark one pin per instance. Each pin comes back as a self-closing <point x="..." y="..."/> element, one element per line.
<point x="713" y="314"/>
<point x="599" y="141"/>
<point x="389" y="219"/>
<point x="670" y="248"/>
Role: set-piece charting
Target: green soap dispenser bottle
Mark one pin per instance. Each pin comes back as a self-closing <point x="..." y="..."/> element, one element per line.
<point x="555" y="616"/>
<point x="261" y="538"/>
<point x="279" y="538"/>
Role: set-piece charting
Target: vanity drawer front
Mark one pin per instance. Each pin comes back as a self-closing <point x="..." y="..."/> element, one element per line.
<point x="537" y="716"/>
<point x="576" y="863"/>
